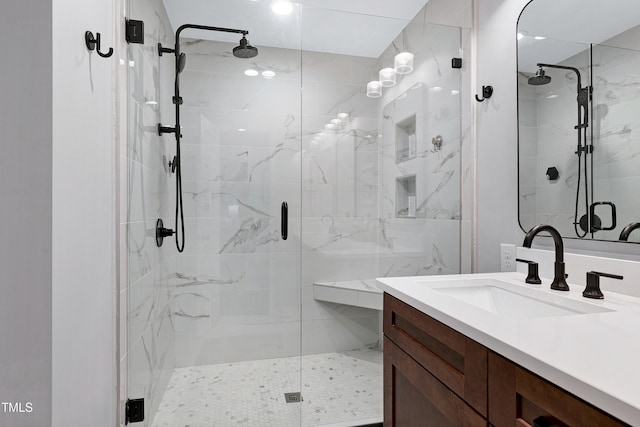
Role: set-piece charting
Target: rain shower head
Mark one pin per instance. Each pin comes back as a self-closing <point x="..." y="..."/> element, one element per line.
<point x="245" y="50"/>
<point x="182" y="61"/>
<point x="539" y="79"/>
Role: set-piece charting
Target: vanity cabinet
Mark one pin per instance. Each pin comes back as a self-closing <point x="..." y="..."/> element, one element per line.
<point x="436" y="376"/>
<point x="414" y="397"/>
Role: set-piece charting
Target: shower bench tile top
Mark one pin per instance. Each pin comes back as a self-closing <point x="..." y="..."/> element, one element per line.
<point x="359" y="293"/>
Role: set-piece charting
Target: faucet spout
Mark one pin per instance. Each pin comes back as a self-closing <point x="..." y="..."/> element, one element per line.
<point x="559" y="280"/>
<point x="624" y="235"/>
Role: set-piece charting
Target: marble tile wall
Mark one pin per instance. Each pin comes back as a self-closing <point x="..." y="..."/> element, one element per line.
<point x="617" y="159"/>
<point x="237" y="293"/>
<point x="547" y="138"/>
<point x="238" y="285"/>
<point x="340" y="196"/>
<point x="548" y="114"/>
<point x="147" y="272"/>
<point x="436" y="92"/>
<point x="351" y="232"/>
<point x="528" y="152"/>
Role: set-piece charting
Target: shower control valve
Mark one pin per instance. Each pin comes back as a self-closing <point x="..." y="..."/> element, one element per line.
<point x="162" y="232"/>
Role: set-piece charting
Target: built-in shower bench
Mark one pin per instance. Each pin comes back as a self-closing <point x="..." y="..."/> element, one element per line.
<point x="360" y="293"/>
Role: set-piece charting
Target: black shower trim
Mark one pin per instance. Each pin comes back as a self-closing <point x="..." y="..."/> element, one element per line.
<point x="245" y="50"/>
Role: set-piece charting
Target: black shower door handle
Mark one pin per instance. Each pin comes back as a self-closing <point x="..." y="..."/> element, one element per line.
<point x="284" y="220"/>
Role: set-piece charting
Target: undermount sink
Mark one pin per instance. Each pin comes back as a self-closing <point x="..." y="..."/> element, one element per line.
<point x="509" y="300"/>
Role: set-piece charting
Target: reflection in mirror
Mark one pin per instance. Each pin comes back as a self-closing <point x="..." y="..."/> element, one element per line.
<point x="578" y="85"/>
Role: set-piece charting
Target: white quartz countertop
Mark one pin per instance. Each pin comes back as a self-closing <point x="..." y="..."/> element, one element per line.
<point x="594" y="356"/>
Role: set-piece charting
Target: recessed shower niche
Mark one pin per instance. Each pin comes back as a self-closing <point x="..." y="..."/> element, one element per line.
<point x="406" y="197"/>
<point x="405" y="137"/>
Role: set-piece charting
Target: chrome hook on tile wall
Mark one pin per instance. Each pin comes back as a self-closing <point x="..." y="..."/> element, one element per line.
<point x="93" y="43"/>
<point x="487" y="91"/>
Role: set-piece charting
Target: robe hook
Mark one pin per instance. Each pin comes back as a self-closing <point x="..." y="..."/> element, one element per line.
<point x="487" y="91"/>
<point x="94" y="43"/>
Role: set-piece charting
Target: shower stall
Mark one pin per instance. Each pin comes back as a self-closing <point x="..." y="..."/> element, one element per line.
<point x="248" y="325"/>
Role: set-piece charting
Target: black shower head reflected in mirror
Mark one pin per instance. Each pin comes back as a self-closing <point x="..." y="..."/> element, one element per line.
<point x="539" y="79"/>
<point x="245" y="50"/>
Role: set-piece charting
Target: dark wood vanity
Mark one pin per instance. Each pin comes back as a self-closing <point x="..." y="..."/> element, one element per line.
<point x="436" y="376"/>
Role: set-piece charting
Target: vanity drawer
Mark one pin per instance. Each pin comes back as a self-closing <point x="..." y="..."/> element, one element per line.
<point x="455" y="360"/>
<point x="518" y="397"/>
<point x="415" y="398"/>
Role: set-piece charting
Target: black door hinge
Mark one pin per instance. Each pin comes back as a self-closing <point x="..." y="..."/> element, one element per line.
<point x="134" y="411"/>
<point x="134" y="31"/>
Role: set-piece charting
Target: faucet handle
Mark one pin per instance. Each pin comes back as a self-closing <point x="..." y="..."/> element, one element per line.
<point x="532" y="271"/>
<point x="593" y="284"/>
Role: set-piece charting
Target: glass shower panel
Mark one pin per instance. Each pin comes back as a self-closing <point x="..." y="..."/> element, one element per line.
<point x="421" y="156"/>
<point x="149" y="338"/>
<point x="214" y="331"/>
<point x="366" y="214"/>
<point x="616" y="152"/>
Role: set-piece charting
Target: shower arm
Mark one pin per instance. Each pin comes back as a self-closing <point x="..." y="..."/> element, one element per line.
<point x="563" y="67"/>
<point x="583" y="92"/>
<point x="208" y="28"/>
<point x="176" y="50"/>
<point x="177" y="100"/>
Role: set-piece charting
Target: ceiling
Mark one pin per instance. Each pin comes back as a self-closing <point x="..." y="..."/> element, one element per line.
<point x="348" y="27"/>
<point x="569" y="27"/>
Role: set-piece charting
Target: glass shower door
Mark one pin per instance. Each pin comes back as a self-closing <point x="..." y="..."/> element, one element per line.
<point x="379" y="197"/>
<point x="214" y="332"/>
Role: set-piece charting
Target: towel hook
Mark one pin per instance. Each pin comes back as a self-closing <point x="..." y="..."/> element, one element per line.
<point x="94" y="43"/>
<point x="487" y="91"/>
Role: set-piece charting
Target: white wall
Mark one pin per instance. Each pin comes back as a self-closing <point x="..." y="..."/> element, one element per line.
<point x="496" y="133"/>
<point x="25" y="188"/>
<point x="59" y="210"/>
<point x="83" y="220"/>
<point x="496" y="139"/>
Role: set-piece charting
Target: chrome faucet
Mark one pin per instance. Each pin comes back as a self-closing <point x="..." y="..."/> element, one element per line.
<point x="624" y="235"/>
<point x="559" y="280"/>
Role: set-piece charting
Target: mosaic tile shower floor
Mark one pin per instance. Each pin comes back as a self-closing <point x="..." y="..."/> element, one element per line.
<point x="338" y="389"/>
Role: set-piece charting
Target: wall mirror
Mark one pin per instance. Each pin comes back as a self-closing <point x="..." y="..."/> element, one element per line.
<point x="579" y="118"/>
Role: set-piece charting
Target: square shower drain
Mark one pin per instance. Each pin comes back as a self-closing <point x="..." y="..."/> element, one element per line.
<point x="295" y="397"/>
